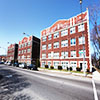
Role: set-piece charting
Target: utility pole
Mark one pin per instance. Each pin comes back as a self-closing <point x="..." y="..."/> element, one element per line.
<point x="83" y="41"/>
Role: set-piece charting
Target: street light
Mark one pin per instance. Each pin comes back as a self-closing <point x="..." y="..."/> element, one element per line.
<point x="82" y="40"/>
<point x="26" y="34"/>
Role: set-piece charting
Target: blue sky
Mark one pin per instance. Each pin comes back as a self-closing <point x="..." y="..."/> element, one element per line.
<point x="32" y="16"/>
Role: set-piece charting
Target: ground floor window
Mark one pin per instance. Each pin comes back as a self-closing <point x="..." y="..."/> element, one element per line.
<point x="49" y="64"/>
<point x="73" y="64"/>
<point x="56" y="64"/>
<point x="64" y="64"/>
<point x="43" y="64"/>
<point x="82" y="64"/>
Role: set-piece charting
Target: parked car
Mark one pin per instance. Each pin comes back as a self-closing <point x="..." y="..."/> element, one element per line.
<point x="22" y="65"/>
<point x="9" y="63"/>
<point x="5" y="63"/>
<point x="16" y="64"/>
<point x="32" y="66"/>
<point x="1" y="62"/>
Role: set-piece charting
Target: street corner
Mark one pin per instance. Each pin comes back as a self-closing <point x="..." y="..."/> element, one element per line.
<point x="96" y="76"/>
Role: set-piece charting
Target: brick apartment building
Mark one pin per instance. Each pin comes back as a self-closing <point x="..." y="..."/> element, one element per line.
<point x="29" y="50"/>
<point x="12" y="53"/>
<point x="3" y="58"/>
<point x="62" y="43"/>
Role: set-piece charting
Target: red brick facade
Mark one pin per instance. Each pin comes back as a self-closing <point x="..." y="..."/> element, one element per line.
<point x="59" y="27"/>
<point x="27" y="53"/>
<point x="12" y="52"/>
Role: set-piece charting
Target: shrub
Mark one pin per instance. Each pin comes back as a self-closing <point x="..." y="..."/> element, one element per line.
<point x="59" y="67"/>
<point x="46" y="66"/>
<point x="78" y="69"/>
<point x="70" y="68"/>
<point x="51" y="67"/>
<point x="67" y="68"/>
<point x="87" y="70"/>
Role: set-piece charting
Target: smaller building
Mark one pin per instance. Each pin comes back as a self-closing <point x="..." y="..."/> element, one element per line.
<point x="29" y="50"/>
<point x="12" y="53"/>
<point x="3" y="58"/>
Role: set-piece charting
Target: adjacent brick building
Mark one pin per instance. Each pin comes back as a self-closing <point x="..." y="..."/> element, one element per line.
<point x="12" y="53"/>
<point x="29" y="50"/>
<point x="62" y="43"/>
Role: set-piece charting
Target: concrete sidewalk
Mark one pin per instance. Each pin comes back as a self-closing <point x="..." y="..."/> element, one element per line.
<point x="96" y="76"/>
<point x="63" y="73"/>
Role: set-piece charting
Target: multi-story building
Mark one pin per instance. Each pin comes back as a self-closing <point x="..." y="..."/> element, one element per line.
<point x="3" y="58"/>
<point x="63" y="43"/>
<point x="29" y="50"/>
<point x="12" y="53"/>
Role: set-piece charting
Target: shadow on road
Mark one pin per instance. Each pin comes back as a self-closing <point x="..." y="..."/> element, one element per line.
<point x="11" y="86"/>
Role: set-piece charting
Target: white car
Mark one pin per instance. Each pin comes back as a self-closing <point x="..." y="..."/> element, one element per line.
<point x="23" y="65"/>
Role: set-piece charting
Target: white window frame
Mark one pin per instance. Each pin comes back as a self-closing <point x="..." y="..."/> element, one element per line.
<point x="64" y="54"/>
<point x="65" y="64"/>
<point x="43" y="56"/>
<point x="43" y="47"/>
<point x="57" y="64"/>
<point x="56" y="55"/>
<point x="72" y="41"/>
<point x="73" y="65"/>
<point x="81" y="40"/>
<point x="73" y="53"/>
<point x="81" y="27"/>
<point x="56" y="35"/>
<point x="64" y="43"/>
<point x="81" y="53"/>
<point x="44" y="39"/>
<point x="49" y="55"/>
<point x="50" y="37"/>
<point x="56" y="45"/>
<point x="72" y="30"/>
<point x="64" y="32"/>
<point x="49" y="46"/>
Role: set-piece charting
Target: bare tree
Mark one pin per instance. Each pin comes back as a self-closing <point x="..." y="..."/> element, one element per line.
<point x="95" y="31"/>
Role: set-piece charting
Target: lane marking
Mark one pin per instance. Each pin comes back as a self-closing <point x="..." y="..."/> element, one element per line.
<point x="94" y="89"/>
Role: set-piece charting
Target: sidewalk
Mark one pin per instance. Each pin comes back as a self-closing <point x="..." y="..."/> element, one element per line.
<point x="96" y="76"/>
<point x="64" y="73"/>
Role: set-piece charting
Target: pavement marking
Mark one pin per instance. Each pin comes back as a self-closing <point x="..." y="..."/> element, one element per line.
<point x="94" y="89"/>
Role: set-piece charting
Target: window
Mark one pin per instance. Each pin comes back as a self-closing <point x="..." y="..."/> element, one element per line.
<point x="44" y="38"/>
<point x="64" y="55"/>
<point x="73" y="53"/>
<point x="81" y="28"/>
<point x="81" y="40"/>
<point x="49" y="46"/>
<point x="43" y="64"/>
<point x="43" y="56"/>
<point x="73" y="41"/>
<point x="73" y="64"/>
<point x="56" y="55"/>
<point x="49" y="64"/>
<point x="64" y="64"/>
<point x="64" y="32"/>
<point x="55" y="64"/>
<point x="43" y="47"/>
<point x="64" y="43"/>
<point x="56" y="35"/>
<point x="72" y="30"/>
<point x="49" y="55"/>
<point x="56" y="45"/>
<point x="28" y="50"/>
<point x="29" y="43"/>
<point x="81" y="54"/>
<point x="49" y="37"/>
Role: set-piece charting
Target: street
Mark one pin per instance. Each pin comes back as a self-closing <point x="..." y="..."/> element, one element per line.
<point x="23" y="84"/>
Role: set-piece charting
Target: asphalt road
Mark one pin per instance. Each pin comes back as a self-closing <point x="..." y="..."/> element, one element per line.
<point x="23" y="84"/>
